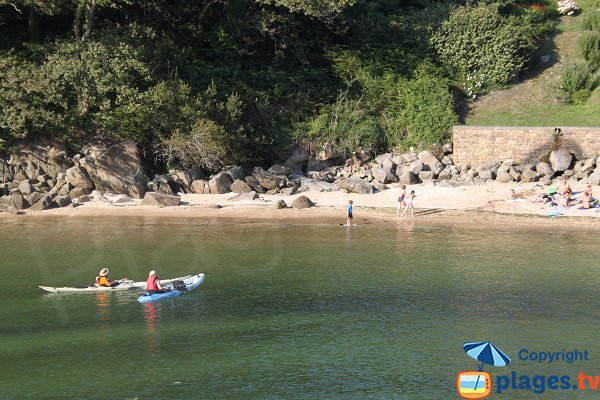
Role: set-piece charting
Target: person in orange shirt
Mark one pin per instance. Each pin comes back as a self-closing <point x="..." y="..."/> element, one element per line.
<point x="103" y="280"/>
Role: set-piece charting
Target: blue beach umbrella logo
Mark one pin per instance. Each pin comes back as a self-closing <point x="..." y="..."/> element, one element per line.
<point x="486" y="353"/>
<point x="477" y="384"/>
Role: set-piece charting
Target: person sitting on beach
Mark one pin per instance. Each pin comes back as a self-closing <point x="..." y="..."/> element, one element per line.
<point x="103" y="280"/>
<point x="514" y="195"/>
<point x="409" y="204"/>
<point x="153" y="285"/>
<point x="566" y="187"/>
<point x="401" y="202"/>
<point x="588" y="199"/>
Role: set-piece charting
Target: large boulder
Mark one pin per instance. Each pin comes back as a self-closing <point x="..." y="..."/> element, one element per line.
<point x="61" y="201"/>
<point x="266" y="179"/>
<point x="529" y="175"/>
<point x="302" y="202"/>
<point x="279" y="204"/>
<point x="594" y="179"/>
<point x="236" y="172"/>
<point x="355" y="185"/>
<point x="544" y="168"/>
<point x="160" y="199"/>
<point x="504" y="177"/>
<point x="383" y="175"/>
<point x="561" y="160"/>
<point x="115" y="167"/>
<point x="431" y="161"/>
<point x="240" y="186"/>
<point x="43" y="203"/>
<point x="408" y="178"/>
<point x="78" y="177"/>
<point x="18" y="201"/>
<point x="416" y="167"/>
<point x="197" y="186"/>
<point x="254" y="184"/>
<point x="297" y="160"/>
<point x="26" y="188"/>
<point x="185" y="178"/>
<point x="279" y="170"/>
<point x="220" y="183"/>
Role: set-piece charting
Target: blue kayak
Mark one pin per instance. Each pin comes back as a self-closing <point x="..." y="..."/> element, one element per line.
<point x="177" y="288"/>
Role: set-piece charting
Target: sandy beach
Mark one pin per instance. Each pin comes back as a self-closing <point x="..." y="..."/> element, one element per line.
<point x="469" y="206"/>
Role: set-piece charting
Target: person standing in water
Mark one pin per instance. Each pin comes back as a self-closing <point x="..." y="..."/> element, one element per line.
<point x="349" y="208"/>
<point x="409" y="204"/>
<point x="401" y="201"/>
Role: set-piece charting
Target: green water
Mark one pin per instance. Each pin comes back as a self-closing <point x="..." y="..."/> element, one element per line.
<point x="289" y="312"/>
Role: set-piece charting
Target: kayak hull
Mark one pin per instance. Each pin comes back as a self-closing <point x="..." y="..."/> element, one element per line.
<point x="190" y="283"/>
<point x="124" y="284"/>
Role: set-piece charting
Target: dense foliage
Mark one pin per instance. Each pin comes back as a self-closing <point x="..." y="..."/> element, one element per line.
<point x="211" y="82"/>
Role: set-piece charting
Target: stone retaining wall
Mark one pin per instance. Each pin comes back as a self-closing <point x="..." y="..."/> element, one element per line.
<point x="477" y="144"/>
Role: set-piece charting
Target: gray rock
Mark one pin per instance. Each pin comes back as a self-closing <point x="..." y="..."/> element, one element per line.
<point x="271" y="192"/>
<point x="447" y="148"/>
<point x="249" y="196"/>
<point x="62" y="201"/>
<point x="77" y="192"/>
<point x="544" y="168"/>
<point x="279" y="170"/>
<point x="26" y="188"/>
<point x="254" y="184"/>
<point x="383" y="175"/>
<point x="355" y="185"/>
<point x="164" y="187"/>
<point x="594" y="179"/>
<point x="266" y="179"/>
<point x="18" y="201"/>
<point x="426" y="176"/>
<point x="487" y="174"/>
<point x="446" y="174"/>
<point x="302" y="202"/>
<point x="43" y="203"/>
<point x="516" y="175"/>
<point x="416" y="167"/>
<point x="78" y="178"/>
<point x="220" y="183"/>
<point x="33" y="197"/>
<point x="561" y="160"/>
<point x="409" y="157"/>
<point x="240" y="186"/>
<point x="389" y="165"/>
<point x="115" y="167"/>
<point x="297" y="160"/>
<point x="288" y="191"/>
<point x="504" y="177"/>
<point x="588" y="165"/>
<point x="160" y="199"/>
<point x="447" y="160"/>
<point x="279" y="204"/>
<point x="84" y="198"/>
<point x="197" y="186"/>
<point x="408" y="178"/>
<point x="427" y="158"/>
<point x="530" y="176"/>
<point x="236" y="173"/>
<point x="135" y="190"/>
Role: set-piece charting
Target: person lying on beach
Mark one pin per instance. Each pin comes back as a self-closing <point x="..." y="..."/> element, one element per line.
<point x="514" y="195"/>
<point x="543" y="198"/>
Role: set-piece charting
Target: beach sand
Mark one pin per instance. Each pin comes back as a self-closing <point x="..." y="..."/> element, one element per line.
<point x="479" y="207"/>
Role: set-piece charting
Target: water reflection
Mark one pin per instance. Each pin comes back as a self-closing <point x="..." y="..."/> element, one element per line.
<point x="103" y="305"/>
<point x="151" y="317"/>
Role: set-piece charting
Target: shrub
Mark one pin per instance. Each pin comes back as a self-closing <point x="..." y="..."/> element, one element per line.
<point x="578" y="81"/>
<point x="428" y="110"/>
<point x="589" y="47"/>
<point x="479" y="42"/>
<point x="591" y="20"/>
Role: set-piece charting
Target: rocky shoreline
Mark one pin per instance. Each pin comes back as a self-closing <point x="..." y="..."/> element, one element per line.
<point x="43" y="176"/>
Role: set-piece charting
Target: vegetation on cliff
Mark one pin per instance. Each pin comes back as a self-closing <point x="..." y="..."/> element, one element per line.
<point x="212" y="82"/>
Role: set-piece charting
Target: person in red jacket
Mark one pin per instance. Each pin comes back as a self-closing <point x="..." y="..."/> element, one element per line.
<point x="153" y="284"/>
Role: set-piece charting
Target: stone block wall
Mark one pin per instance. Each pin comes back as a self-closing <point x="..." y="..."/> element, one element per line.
<point x="477" y="144"/>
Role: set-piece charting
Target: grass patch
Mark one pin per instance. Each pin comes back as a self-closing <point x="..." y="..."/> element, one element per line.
<point x="538" y="99"/>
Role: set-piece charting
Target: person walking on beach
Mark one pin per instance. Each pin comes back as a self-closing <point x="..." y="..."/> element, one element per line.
<point x="409" y="204"/>
<point x="349" y="208"/>
<point x="401" y="202"/>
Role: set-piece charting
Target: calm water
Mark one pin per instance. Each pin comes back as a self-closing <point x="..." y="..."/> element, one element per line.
<point x="289" y="312"/>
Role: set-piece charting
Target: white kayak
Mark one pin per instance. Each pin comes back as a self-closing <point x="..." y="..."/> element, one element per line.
<point x="124" y="284"/>
<point x="177" y="288"/>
